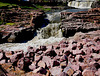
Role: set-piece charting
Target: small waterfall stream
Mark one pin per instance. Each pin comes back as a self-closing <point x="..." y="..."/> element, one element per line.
<point x="47" y="35"/>
<point x="81" y="3"/>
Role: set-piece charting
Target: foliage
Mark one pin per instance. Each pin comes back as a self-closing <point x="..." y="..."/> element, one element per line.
<point x="25" y="7"/>
<point x="6" y="4"/>
<point x="1" y="21"/>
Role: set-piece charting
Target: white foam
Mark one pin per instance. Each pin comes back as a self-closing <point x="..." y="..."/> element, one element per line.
<point x="80" y="4"/>
<point x="23" y="46"/>
<point x="54" y="17"/>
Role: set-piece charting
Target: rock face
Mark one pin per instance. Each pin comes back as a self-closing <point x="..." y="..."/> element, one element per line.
<point x="96" y="4"/>
<point x="80" y="21"/>
<point x="19" y="24"/>
<point x="76" y="56"/>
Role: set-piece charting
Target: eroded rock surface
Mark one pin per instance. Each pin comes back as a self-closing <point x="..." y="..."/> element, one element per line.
<point x="19" y="24"/>
<point x="83" y="21"/>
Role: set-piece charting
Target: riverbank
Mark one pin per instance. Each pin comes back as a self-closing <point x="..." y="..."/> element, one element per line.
<point x="19" y="24"/>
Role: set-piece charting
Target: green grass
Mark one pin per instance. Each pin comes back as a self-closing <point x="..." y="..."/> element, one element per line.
<point x="6" y="4"/>
<point x="0" y="22"/>
<point x="42" y="8"/>
<point x="11" y="24"/>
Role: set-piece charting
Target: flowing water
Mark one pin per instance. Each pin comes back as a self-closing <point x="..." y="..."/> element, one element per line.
<point x="81" y="3"/>
<point x="47" y="35"/>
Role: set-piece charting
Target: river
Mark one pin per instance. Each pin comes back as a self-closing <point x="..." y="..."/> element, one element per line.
<point x="46" y="35"/>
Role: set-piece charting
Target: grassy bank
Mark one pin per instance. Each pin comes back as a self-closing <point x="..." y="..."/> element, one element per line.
<point x="6" y="4"/>
<point x="24" y="7"/>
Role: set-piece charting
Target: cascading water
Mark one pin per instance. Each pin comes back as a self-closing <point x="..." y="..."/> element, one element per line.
<point x="54" y="17"/>
<point x="81" y="3"/>
<point x="47" y="35"/>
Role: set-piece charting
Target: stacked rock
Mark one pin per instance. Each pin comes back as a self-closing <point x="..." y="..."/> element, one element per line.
<point x="82" y="21"/>
<point x="74" y="57"/>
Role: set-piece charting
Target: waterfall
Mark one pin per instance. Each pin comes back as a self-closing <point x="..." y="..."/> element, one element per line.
<point x="54" y="17"/>
<point x="47" y="35"/>
<point x="81" y="3"/>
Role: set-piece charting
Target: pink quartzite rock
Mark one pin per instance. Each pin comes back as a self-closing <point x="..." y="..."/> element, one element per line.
<point x="55" y="71"/>
<point x="32" y="66"/>
<point x="77" y="51"/>
<point x="69" y="71"/>
<point x="88" y="73"/>
<point x="1" y="56"/>
<point x="43" y="48"/>
<point x="97" y="72"/>
<point x="20" y="63"/>
<point x="48" y="61"/>
<point x="3" y="61"/>
<point x="41" y="64"/>
<point x="75" y="67"/>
